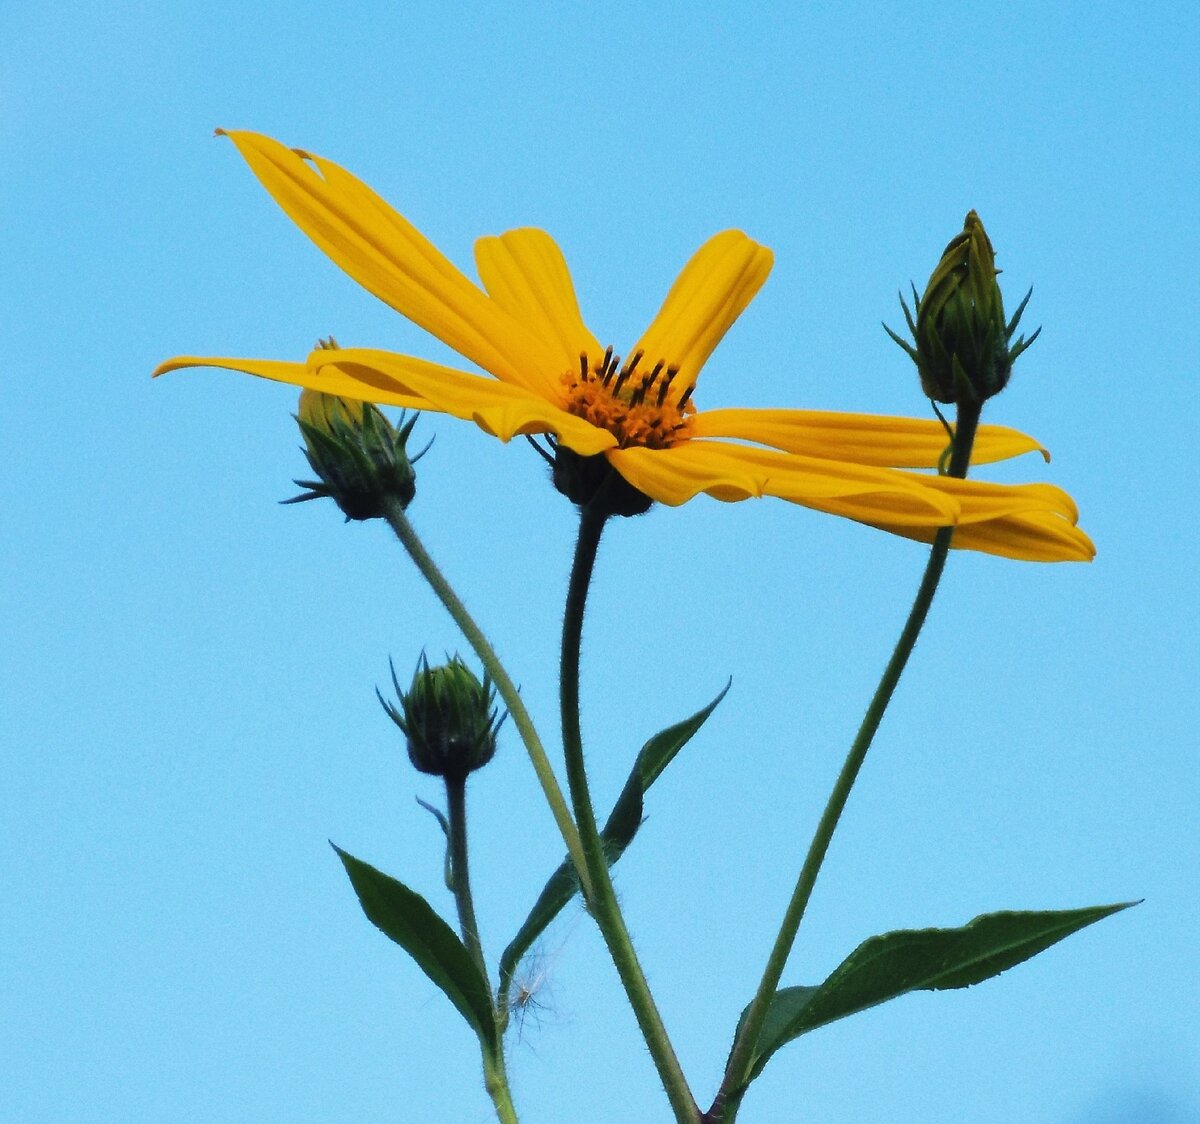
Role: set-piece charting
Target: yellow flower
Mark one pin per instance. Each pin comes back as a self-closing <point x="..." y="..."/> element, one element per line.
<point x="552" y="376"/>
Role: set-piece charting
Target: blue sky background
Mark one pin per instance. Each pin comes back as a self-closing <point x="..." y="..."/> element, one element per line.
<point x="187" y="670"/>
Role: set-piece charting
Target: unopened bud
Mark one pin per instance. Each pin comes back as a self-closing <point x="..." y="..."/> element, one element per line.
<point x="326" y="410"/>
<point x="448" y="717"/>
<point x="360" y="458"/>
<point x="961" y="342"/>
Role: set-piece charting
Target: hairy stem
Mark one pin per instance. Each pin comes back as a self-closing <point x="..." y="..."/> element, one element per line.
<point x="495" y="1079"/>
<point x="495" y="1076"/>
<point x="456" y="808"/>
<point x="398" y="521"/>
<point x="602" y="900"/>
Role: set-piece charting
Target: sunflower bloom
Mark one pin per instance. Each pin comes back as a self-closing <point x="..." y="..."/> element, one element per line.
<point x="552" y="376"/>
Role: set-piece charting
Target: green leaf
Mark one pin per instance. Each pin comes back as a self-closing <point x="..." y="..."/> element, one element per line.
<point x="893" y="964"/>
<point x="409" y="920"/>
<point x="620" y="828"/>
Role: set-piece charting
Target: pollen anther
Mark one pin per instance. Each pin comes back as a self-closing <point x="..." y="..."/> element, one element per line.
<point x="635" y="410"/>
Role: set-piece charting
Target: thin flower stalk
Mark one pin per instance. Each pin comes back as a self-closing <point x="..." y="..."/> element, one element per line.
<point x="724" y="1107"/>
<point x="495" y="1080"/>
<point x="400" y="524"/>
<point x="495" y="1074"/>
<point x="602" y="901"/>
<point x="460" y="872"/>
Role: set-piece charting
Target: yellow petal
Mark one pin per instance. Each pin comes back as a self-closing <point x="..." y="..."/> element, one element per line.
<point x="736" y="472"/>
<point x="525" y="273"/>
<point x="674" y="476"/>
<point x="389" y="257"/>
<point x="300" y="374"/>
<point x="498" y="408"/>
<point x="981" y="501"/>
<point x="707" y="297"/>
<point x="859" y="438"/>
<point x="1031" y="537"/>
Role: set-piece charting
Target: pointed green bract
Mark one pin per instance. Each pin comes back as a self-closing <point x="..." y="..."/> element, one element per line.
<point x="408" y="919"/>
<point x="438" y="815"/>
<point x="620" y="828"/>
<point x="444" y="824"/>
<point x="893" y="964"/>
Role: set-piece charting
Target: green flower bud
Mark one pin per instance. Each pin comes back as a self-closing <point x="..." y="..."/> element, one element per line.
<point x="326" y="411"/>
<point x="360" y="458"/>
<point x="962" y="343"/>
<point x="448" y="717"/>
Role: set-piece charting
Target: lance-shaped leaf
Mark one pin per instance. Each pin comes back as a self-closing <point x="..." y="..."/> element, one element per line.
<point x="619" y="829"/>
<point x="408" y="919"/>
<point x="893" y="964"/>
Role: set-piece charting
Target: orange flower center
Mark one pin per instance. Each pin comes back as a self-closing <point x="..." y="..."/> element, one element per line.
<point x="638" y="407"/>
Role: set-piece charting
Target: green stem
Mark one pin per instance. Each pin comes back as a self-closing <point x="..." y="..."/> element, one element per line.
<point x="398" y="521"/>
<point x="741" y="1058"/>
<point x="456" y="813"/>
<point x="602" y="901"/>
<point x="495" y="1077"/>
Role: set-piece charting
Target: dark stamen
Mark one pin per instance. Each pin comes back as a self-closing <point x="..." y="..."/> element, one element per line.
<point x="540" y="451"/>
<point x="621" y="380"/>
<point x="583" y="366"/>
<point x="608" y="352"/>
<point x="646" y="383"/>
<point x="639" y="395"/>
<point x="665" y="385"/>
<point x="686" y="395"/>
<point x="630" y="367"/>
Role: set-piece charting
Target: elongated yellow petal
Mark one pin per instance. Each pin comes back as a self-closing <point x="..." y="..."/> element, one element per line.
<point x="859" y="438"/>
<point x="525" y="273"/>
<point x="389" y="257"/>
<point x="736" y="472"/>
<point x="673" y="477"/>
<point x="303" y="375"/>
<point x="708" y="296"/>
<point x="981" y="501"/>
<point x="1031" y="537"/>
<point x="498" y="408"/>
